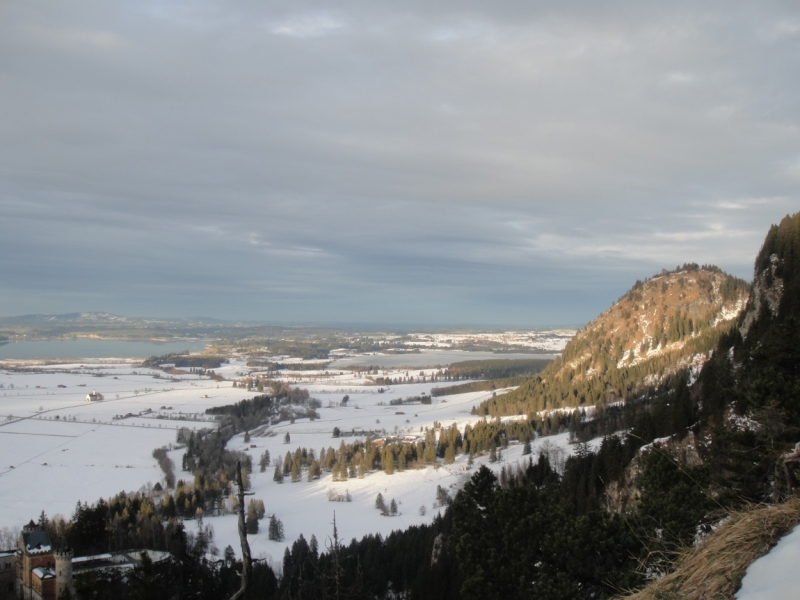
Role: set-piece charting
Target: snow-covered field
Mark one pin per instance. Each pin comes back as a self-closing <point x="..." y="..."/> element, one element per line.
<point x="773" y="576"/>
<point x="56" y="448"/>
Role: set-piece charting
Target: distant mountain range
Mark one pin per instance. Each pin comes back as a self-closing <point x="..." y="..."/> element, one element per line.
<point x="101" y="318"/>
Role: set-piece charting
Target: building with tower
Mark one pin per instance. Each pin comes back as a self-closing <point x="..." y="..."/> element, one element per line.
<point x="36" y="571"/>
<point x="63" y="570"/>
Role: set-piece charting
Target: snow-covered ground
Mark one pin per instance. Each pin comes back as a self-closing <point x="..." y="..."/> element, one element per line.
<point x="56" y="448"/>
<point x="773" y="576"/>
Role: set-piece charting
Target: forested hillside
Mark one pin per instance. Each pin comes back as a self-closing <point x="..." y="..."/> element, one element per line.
<point x="661" y="325"/>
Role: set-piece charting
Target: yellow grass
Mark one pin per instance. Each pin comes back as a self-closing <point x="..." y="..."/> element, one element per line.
<point x="714" y="570"/>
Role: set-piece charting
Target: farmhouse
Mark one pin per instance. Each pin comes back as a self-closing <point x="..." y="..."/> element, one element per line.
<point x="94" y="397"/>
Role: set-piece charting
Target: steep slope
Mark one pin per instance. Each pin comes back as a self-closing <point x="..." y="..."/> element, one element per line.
<point x="715" y="568"/>
<point x="776" y="281"/>
<point x="661" y="325"/>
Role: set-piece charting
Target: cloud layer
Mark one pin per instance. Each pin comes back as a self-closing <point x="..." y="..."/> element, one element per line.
<point x="512" y="163"/>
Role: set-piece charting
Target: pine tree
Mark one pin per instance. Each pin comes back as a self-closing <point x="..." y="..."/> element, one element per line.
<point x="275" y="529"/>
<point x="287" y="463"/>
<point x="387" y="460"/>
<point x="264" y="462"/>
<point x="380" y="504"/>
<point x="278" y="474"/>
<point x="251" y="523"/>
<point x="393" y="507"/>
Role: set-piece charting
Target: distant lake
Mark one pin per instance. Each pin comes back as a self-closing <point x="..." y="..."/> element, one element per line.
<point x="428" y="358"/>
<point x="83" y="348"/>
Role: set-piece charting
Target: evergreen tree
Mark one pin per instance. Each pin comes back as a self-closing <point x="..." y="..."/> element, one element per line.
<point x="278" y="476"/>
<point x="264" y="462"/>
<point x="380" y="504"/>
<point x="287" y="463"/>
<point x="143" y="580"/>
<point x="314" y="471"/>
<point x="387" y="460"/>
<point x="251" y="521"/>
<point x="275" y="529"/>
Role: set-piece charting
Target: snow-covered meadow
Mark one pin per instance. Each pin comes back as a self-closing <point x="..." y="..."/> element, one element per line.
<point x="57" y="448"/>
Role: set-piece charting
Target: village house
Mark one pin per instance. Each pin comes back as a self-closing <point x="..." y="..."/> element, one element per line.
<point x="94" y="396"/>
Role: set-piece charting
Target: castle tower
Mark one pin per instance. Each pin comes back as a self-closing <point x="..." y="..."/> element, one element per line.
<point x="64" y="571"/>
<point x="30" y="527"/>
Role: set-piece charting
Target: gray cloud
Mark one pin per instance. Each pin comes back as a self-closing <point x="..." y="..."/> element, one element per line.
<point x="464" y="162"/>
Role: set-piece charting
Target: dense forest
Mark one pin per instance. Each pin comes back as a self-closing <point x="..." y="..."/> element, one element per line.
<point x="495" y="368"/>
<point x="185" y="360"/>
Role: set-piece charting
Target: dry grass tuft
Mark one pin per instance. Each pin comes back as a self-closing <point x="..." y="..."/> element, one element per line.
<point x="714" y="570"/>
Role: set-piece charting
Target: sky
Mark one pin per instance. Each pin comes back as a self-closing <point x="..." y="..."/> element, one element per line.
<point x="450" y="162"/>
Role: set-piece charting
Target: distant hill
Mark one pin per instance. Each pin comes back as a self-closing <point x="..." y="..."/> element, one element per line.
<point x="105" y="325"/>
<point x="663" y="324"/>
<point x="96" y="318"/>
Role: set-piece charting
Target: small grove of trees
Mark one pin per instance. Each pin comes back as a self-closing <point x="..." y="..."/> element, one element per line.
<point x="380" y="504"/>
<point x="213" y="466"/>
<point x="443" y="497"/>
<point x="160" y="454"/>
<point x="336" y="496"/>
<point x="283" y="403"/>
<point x="255" y="512"/>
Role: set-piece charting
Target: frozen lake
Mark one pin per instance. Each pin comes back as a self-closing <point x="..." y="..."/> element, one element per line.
<point x="83" y="348"/>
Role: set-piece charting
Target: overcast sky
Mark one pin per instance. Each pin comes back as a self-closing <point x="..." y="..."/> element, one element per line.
<point x="399" y="162"/>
